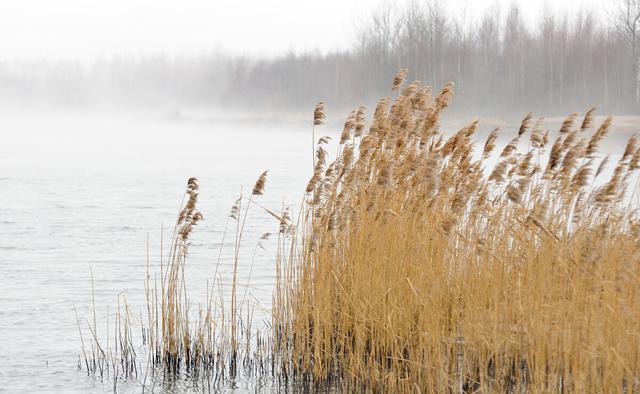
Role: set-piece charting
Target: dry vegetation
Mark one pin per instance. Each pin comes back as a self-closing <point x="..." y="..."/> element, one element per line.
<point x="421" y="263"/>
<point x="208" y="346"/>
<point x="422" y="270"/>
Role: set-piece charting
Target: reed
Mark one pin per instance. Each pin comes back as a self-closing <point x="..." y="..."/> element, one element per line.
<point x="420" y="262"/>
<point x="421" y="266"/>
<point x="210" y="345"/>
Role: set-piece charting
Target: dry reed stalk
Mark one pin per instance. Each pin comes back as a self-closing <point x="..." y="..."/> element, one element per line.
<point x="319" y="115"/>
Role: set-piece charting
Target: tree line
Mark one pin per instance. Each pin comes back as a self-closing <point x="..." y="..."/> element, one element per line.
<point x="498" y="62"/>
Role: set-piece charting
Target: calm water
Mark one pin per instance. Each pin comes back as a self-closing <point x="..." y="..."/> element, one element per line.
<point x="81" y="194"/>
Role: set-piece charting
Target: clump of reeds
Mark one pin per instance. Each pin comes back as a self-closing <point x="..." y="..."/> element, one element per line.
<point x="421" y="266"/>
<point x="102" y="360"/>
<point x="211" y="344"/>
<point x="421" y="262"/>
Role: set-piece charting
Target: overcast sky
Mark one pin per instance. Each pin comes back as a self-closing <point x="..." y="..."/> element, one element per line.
<point x="88" y="29"/>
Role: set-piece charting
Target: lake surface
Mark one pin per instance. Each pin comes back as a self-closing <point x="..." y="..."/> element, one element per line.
<point x="80" y="194"/>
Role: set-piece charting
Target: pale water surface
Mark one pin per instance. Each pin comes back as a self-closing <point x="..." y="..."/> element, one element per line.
<point x="80" y="193"/>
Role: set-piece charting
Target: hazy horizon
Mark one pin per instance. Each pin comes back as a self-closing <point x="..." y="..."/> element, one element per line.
<point x="88" y="31"/>
<point x="504" y="56"/>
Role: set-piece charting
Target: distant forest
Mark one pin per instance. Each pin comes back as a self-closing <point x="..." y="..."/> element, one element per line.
<point x="499" y="63"/>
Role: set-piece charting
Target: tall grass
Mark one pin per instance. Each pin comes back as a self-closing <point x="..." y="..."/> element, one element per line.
<point x="425" y="268"/>
<point x="423" y="263"/>
<point x="209" y="345"/>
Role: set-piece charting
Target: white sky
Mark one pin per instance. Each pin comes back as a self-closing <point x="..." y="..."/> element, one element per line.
<point x="88" y="29"/>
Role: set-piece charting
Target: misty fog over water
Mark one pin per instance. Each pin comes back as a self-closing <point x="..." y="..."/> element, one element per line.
<point x="501" y="62"/>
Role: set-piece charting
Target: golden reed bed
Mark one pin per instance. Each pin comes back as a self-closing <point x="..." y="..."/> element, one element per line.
<point x="425" y="263"/>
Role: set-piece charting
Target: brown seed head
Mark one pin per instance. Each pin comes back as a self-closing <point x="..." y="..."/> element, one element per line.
<point x="588" y="119"/>
<point x="399" y="79"/>
<point x="491" y="142"/>
<point x="258" y="188"/>
<point x="319" y="114"/>
<point x="360" y="121"/>
<point x="524" y="125"/>
<point x="568" y="123"/>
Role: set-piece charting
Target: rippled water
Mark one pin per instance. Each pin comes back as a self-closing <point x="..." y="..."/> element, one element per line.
<point x="81" y="193"/>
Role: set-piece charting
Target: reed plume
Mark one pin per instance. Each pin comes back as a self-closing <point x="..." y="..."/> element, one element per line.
<point x="319" y="114"/>
<point x="399" y="79"/>
<point x="258" y="188"/>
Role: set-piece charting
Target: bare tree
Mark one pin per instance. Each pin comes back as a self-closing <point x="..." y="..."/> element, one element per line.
<point x="628" y="18"/>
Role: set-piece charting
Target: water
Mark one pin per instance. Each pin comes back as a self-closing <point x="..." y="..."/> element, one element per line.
<point x="79" y="194"/>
